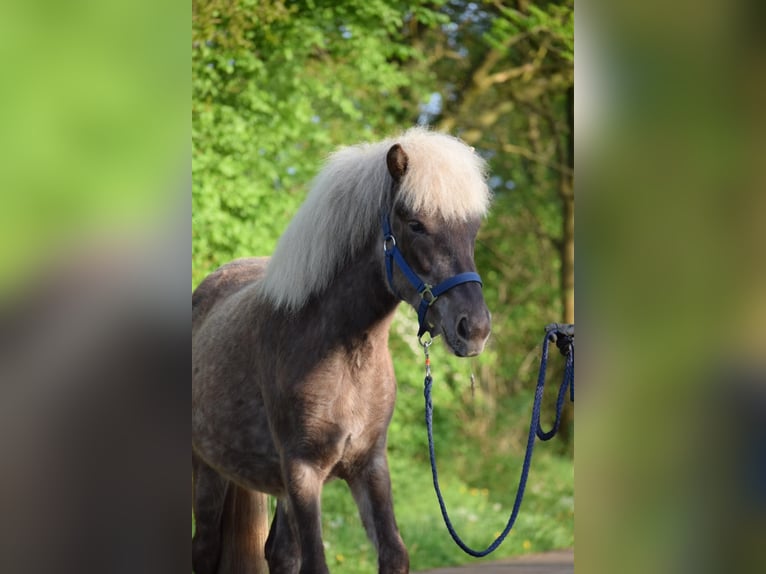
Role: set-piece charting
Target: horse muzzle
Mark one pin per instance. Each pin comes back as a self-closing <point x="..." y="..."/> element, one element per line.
<point x="464" y="320"/>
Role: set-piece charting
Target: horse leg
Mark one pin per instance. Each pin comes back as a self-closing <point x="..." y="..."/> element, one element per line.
<point x="208" y="497"/>
<point x="282" y="551"/>
<point x="372" y="492"/>
<point x="304" y="488"/>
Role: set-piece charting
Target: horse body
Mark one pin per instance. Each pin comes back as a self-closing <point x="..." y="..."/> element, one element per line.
<point x="287" y="395"/>
<point x="315" y="385"/>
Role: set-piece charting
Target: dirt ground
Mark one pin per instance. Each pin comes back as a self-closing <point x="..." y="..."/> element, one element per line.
<point x="557" y="562"/>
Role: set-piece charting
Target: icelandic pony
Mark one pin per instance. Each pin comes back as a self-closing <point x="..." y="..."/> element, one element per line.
<point x="292" y="380"/>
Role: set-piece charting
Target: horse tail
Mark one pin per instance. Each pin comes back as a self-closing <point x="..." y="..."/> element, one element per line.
<point x="245" y="527"/>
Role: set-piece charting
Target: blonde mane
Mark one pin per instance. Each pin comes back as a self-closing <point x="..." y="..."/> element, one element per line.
<point x="343" y="208"/>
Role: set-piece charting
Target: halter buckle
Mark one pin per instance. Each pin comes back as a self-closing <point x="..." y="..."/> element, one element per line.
<point x="427" y="295"/>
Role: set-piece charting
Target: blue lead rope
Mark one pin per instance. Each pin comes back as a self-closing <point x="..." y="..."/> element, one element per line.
<point x="563" y="336"/>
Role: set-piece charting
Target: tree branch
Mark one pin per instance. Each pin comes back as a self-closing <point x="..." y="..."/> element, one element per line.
<point x="505" y="75"/>
<point x="529" y="154"/>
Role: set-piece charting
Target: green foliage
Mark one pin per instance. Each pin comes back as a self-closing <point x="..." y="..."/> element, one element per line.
<point x="276" y="86"/>
<point x="553" y="24"/>
<point x="92" y="129"/>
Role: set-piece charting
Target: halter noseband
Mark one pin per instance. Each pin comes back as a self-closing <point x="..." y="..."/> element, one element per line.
<point x="428" y="293"/>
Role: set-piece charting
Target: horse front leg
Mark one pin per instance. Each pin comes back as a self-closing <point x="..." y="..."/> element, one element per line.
<point x="304" y="489"/>
<point x="372" y="492"/>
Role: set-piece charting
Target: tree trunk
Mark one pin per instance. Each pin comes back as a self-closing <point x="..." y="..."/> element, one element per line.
<point x="567" y="250"/>
<point x="566" y="190"/>
<point x="567" y="261"/>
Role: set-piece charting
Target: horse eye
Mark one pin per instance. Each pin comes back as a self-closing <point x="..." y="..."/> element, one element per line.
<point x="416" y="226"/>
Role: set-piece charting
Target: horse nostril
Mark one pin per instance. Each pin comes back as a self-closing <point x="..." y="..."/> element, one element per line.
<point x="462" y="328"/>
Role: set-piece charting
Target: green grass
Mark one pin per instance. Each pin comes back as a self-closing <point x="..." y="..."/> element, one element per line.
<point x="546" y="520"/>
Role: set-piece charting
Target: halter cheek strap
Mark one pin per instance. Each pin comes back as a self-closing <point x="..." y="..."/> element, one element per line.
<point x="428" y="293"/>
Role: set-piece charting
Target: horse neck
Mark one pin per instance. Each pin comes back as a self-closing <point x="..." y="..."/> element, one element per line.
<point x="357" y="301"/>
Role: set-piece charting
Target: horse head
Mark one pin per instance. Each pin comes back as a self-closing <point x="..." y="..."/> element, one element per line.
<point x="434" y="270"/>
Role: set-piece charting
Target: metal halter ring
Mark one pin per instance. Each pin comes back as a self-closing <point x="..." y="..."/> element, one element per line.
<point x="386" y="248"/>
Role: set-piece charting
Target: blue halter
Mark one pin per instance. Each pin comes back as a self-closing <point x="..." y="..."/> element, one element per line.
<point x="428" y="293"/>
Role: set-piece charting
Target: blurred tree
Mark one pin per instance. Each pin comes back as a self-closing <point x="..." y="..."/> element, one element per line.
<point x="506" y="84"/>
<point x="503" y="80"/>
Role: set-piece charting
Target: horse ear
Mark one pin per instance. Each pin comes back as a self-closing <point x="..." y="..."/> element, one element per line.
<point x="397" y="162"/>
